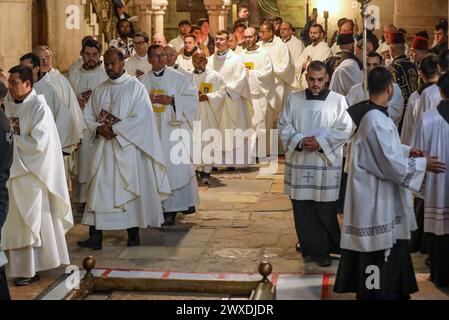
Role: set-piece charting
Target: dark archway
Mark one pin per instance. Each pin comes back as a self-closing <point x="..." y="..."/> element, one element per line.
<point x="39" y="23"/>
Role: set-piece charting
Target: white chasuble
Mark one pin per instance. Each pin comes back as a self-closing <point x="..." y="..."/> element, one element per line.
<point x="128" y="174"/>
<point x="175" y="129"/>
<point x="39" y="205"/>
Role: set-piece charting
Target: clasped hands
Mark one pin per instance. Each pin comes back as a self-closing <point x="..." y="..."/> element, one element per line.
<point x="310" y="144"/>
<point x="106" y="132"/>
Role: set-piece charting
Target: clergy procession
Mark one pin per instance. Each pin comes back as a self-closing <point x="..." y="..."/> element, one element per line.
<point x="127" y="136"/>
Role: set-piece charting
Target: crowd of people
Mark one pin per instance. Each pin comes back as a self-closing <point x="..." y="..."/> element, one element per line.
<point x="122" y="130"/>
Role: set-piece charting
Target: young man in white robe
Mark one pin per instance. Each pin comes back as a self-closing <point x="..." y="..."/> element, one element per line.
<point x="318" y="50"/>
<point x="84" y="80"/>
<point x="61" y="115"/>
<point x="357" y="94"/>
<point x="184" y="60"/>
<point x="378" y="215"/>
<point x="40" y="215"/>
<point x="137" y="65"/>
<point x="432" y="136"/>
<point x="64" y="89"/>
<point x="127" y="177"/>
<point x="212" y="94"/>
<point x="349" y="71"/>
<point x="261" y="79"/>
<point x="184" y="28"/>
<point x="175" y="103"/>
<point x="237" y="109"/>
<point x="283" y="65"/>
<point x="314" y="126"/>
<point x="295" y="45"/>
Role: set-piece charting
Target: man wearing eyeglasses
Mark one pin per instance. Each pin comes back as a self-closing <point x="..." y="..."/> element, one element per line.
<point x="138" y="65"/>
<point x="175" y="102"/>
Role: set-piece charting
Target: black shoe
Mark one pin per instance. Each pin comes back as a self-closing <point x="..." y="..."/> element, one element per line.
<point x="133" y="237"/>
<point x="21" y="282"/>
<point x="298" y="247"/>
<point x="191" y="210"/>
<point x="95" y="240"/>
<point x="169" y="218"/>
<point x="324" y="261"/>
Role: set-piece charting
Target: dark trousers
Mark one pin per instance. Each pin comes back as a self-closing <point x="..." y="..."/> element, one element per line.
<point x="4" y="290"/>
<point x="317" y="227"/>
<point x="418" y="241"/>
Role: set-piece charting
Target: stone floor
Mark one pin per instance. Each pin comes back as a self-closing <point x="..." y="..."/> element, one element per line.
<point x="243" y="218"/>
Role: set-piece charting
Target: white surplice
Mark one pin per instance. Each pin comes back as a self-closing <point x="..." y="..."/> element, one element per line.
<point x="296" y="47"/>
<point x="430" y="99"/>
<point x="262" y="83"/>
<point x="314" y="175"/>
<point x="176" y="149"/>
<point x="63" y="118"/>
<point x="237" y="109"/>
<point x="39" y="205"/>
<point x="128" y="174"/>
<point x="378" y="206"/>
<point x="67" y="95"/>
<point x="410" y="116"/>
<point x="345" y="76"/>
<point x="185" y="62"/>
<point x="137" y="65"/>
<point x="83" y="81"/>
<point x="284" y="70"/>
<point x="319" y="52"/>
<point x="432" y="136"/>
<point x="395" y="105"/>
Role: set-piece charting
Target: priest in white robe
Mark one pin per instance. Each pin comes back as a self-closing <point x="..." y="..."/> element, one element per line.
<point x="61" y="115"/>
<point x="378" y="214"/>
<point x="33" y="236"/>
<point x="283" y="65"/>
<point x="175" y="103"/>
<point x="295" y="45"/>
<point x="237" y="109"/>
<point x="318" y="50"/>
<point x="262" y="83"/>
<point x="314" y="126"/>
<point x="212" y="94"/>
<point x="137" y="65"/>
<point x="83" y="81"/>
<point x="350" y="69"/>
<point x="184" y="60"/>
<point x="395" y="106"/>
<point x="127" y="177"/>
<point x="64" y="90"/>
<point x="432" y="136"/>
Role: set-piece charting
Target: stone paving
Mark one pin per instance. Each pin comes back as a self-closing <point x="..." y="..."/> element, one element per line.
<point x="243" y="218"/>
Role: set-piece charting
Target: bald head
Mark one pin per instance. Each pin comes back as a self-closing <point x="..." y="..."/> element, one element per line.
<point x="159" y="39"/>
<point x="171" y="55"/>
<point x="286" y="30"/>
<point x="250" y="38"/>
<point x="388" y="29"/>
<point x="199" y="61"/>
<point x="46" y="56"/>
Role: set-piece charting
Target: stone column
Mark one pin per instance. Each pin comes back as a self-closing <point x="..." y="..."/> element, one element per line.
<point x="218" y="11"/>
<point x="149" y="9"/>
